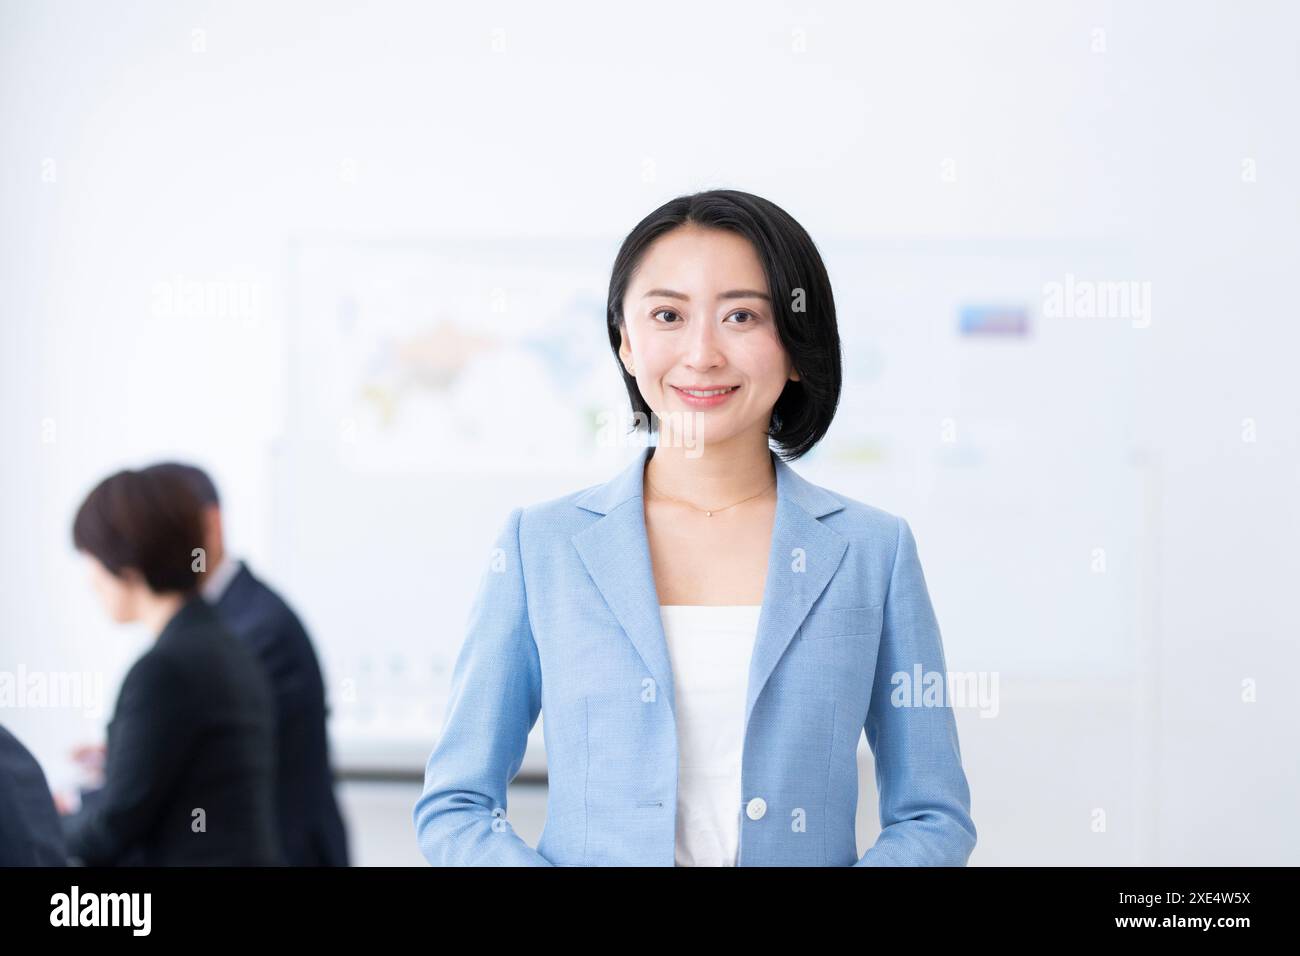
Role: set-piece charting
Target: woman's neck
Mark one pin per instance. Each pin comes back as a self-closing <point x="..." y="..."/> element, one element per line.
<point x="714" y="476"/>
<point x="157" y="609"/>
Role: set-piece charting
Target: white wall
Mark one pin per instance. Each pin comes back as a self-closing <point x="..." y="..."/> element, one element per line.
<point x="514" y="119"/>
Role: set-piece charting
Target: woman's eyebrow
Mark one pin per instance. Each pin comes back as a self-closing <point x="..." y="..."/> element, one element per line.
<point x="732" y="294"/>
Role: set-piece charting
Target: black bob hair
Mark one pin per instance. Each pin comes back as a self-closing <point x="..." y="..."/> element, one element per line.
<point x="149" y="520"/>
<point x="802" y="301"/>
<point x="199" y="479"/>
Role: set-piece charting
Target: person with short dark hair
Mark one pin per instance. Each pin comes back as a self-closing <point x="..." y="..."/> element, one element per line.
<point x="709" y="633"/>
<point x="311" y="827"/>
<point x="189" y="770"/>
<point x="788" y="311"/>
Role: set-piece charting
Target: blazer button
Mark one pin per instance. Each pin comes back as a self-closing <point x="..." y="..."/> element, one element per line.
<point x="756" y="808"/>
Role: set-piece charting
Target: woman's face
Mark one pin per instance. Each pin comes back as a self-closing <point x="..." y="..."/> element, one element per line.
<point x="697" y="316"/>
<point x="117" y="595"/>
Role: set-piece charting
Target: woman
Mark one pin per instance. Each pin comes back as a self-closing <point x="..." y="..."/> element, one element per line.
<point x="715" y="631"/>
<point x="189" y="767"/>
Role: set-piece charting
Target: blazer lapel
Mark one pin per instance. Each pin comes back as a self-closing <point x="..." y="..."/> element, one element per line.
<point x="616" y="551"/>
<point x="804" y="556"/>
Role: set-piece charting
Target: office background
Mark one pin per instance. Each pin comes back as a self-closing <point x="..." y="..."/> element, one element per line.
<point x="352" y="259"/>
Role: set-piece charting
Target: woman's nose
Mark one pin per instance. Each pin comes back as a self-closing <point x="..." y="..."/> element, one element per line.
<point x="702" y="348"/>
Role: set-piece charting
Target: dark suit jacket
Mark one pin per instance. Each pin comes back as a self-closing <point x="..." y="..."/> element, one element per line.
<point x="30" y="832"/>
<point x="192" y="730"/>
<point x="311" y="827"/>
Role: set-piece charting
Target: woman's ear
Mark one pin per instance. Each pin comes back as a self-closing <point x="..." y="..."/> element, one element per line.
<point x="625" y="350"/>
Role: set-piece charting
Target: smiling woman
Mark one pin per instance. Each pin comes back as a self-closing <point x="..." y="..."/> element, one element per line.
<point x="716" y="633"/>
<point x="726" y="275"/>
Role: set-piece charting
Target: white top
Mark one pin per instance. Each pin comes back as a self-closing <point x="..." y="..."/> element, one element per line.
<point x="710" y="647"/>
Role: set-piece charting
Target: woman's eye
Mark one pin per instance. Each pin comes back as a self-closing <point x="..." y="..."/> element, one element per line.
<point x="748" y="318"/>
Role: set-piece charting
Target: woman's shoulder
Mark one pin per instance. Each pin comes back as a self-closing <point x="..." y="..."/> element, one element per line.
<point x="561" y="513"/>
<point x="860" y="519"/>
<point x="156" y="672"/>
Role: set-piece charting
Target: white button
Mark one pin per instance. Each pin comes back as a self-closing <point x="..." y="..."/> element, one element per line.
<point x="756" y="808"/>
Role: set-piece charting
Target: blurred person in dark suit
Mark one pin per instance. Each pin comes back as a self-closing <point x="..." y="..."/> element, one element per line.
<point x="311" y="827"/>
<point x="189" y="765"/>
<point x="30" y="832"/>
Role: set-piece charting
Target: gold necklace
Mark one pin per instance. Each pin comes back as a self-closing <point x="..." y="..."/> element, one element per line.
<point x="708" y="513"/>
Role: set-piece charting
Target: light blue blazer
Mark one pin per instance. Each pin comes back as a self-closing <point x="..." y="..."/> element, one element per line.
<point x="566" y="622"/>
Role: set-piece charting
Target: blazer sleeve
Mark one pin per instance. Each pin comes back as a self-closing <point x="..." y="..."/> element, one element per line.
<point x="496" y="692"/>
<point x="924" y="795"/>
<point x="147" y="741"/>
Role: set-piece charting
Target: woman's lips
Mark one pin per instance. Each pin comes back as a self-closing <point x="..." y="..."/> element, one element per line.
<point x="704" y="401"/>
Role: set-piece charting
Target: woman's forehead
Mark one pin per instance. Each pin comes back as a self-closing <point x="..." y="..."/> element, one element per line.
<point x="700" y="265"/>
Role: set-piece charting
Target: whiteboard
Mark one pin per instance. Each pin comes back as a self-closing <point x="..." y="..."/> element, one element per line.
<point x="435" y="385"/>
